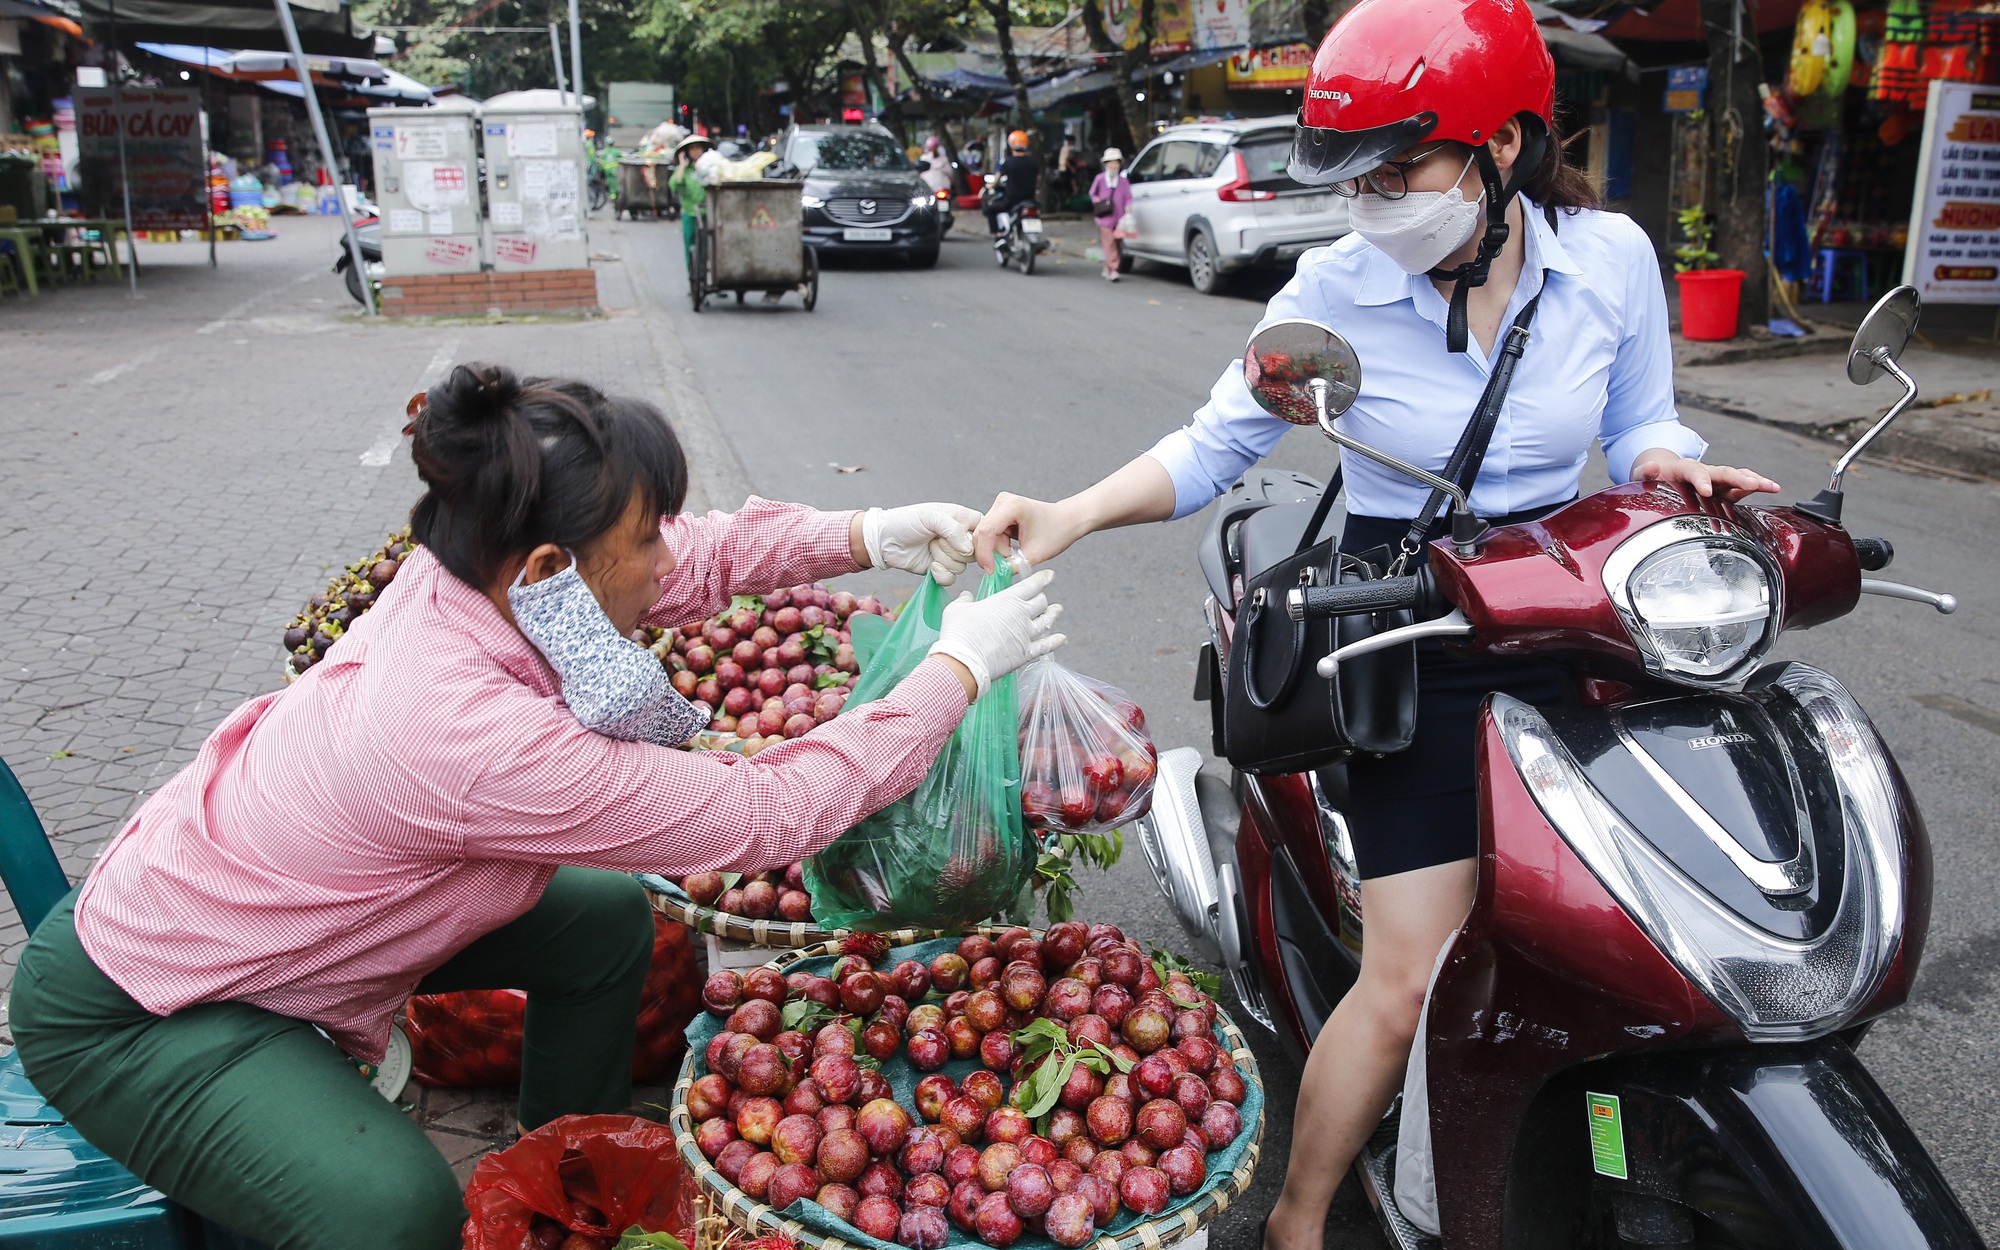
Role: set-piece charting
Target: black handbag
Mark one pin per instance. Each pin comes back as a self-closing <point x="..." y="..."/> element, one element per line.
<point x="1279" y="715"/>
<point x="1103" y="207"/>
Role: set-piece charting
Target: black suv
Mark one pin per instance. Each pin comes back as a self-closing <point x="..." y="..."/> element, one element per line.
<point x="861" y="193"/>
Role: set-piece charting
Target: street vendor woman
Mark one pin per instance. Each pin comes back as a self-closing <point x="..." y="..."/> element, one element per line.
<point x="450" y="800"/>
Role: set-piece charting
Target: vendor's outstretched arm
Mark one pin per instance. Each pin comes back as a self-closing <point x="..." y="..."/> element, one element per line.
<point x="761" y="546"/>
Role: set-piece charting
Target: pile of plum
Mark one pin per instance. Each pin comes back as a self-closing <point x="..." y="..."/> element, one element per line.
<point x="759" y="895"/>
<point x="772" y="666"/>
<point x="1100" y="1087"/>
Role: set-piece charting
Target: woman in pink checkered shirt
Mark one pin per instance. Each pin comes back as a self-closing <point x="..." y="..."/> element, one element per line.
<point x="424" y="812"/>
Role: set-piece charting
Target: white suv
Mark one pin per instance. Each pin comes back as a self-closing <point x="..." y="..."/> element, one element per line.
<point x="1214" y="197"/>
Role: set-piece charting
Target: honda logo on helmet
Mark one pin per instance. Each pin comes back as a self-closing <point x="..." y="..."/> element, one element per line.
<point x="1338" y="97"/>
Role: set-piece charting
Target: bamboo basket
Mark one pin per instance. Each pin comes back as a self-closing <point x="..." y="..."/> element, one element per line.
<point x="724" y="1213"/>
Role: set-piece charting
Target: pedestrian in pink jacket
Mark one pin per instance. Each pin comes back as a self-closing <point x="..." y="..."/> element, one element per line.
<point x="1110" y="199"/>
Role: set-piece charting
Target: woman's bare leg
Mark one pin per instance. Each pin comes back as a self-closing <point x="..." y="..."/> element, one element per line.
<point x="1356" y="1065"/>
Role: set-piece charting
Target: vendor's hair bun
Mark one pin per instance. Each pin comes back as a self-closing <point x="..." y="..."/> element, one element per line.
<point x="514" y="462"/>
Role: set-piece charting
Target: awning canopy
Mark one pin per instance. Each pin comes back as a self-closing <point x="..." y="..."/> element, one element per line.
<point x="264" y="67"/>
<point x="326" y="27"/>
<point x="396" y="89"/>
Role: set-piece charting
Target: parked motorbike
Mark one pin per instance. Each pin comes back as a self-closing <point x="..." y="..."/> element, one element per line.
<point x="368" y="233"/>
<point x="1699" y="884"/>
<point x="1020" y="230"/>
<point x="601" y="178"/>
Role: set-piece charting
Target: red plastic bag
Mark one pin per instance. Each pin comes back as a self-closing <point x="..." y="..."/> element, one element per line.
<point x="1087" y="762"/>
<point x="473" y="1038"/>
<point x="598" y="1175"/>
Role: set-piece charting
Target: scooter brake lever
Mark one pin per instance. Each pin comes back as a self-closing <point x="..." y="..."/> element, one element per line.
<point x="1451" y="625"/>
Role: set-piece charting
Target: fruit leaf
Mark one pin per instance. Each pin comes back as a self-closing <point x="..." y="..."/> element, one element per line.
<point x="752" y="603"/>
<point x="803" y="1015"/>
<point x="819" y="647"/>
<point x="1039" y="1038"/>
<point x="637" y="1238"/>
<point x="869" y="1062"/>
<point x="730" y="880"/>
<point x="1046" y="1085"/>
<point x="1123" y="1064"/>
<point x="1167" y="962"/>
<point x="827" y="681"/>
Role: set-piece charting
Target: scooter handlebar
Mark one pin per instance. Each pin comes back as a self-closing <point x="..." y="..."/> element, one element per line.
<point x="1387" y="594"/>
<point x="1873" y="553"/>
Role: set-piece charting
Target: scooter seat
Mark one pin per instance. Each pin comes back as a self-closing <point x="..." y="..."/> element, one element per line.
<point x="1270" y="535"/>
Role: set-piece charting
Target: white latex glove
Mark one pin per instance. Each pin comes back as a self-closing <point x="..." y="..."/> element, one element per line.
<point x="933" y="538"/>
<point x="998" y="634"/>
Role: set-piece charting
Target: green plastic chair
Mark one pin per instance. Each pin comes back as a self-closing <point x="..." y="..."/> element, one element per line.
<point x="28" y="865"/>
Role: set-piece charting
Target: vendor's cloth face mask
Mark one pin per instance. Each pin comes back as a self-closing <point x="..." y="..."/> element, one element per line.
<point x="613" y="685"/>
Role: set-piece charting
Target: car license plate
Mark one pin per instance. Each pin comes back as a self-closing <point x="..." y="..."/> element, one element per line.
<point x="1031" y="225"/>
<point x="1307" y="204"/>
<point x="868" y="234"/>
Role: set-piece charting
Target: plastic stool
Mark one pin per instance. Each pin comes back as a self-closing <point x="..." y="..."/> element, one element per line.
<point x="1827" y="262"/>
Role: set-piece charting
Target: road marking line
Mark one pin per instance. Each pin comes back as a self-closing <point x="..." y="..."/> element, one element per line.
<point x="118" y="371"/>
<point x="238" y="312"/>
<point x="384" y="446"/>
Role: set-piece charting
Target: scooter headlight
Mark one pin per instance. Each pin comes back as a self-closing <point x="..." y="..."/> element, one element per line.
<point x="1698" y="598"/>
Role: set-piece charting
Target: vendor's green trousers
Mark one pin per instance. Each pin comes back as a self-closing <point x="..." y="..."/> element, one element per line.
<point x="257" y="1122"/>
<point x="690" y="227"/>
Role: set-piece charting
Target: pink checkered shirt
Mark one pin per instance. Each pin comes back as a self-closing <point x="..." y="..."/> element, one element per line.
<point x="335" y="841"/>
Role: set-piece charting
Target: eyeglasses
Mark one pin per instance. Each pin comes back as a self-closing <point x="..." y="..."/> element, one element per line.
<point x="1386" y="180"/>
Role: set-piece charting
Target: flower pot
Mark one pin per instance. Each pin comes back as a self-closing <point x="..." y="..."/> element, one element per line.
<point x="1709" y="303"/>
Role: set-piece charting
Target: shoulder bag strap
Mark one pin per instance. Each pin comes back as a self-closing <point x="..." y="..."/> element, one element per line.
<point x="1463" y="467"/>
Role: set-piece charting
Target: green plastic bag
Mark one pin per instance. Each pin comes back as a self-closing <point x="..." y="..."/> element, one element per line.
<point x="956" y="850"/>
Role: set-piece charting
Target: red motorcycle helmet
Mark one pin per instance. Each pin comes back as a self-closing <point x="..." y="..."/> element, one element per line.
<point x="1394" y="73"/>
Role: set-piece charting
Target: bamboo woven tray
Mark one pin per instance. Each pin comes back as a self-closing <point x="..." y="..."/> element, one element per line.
<point x="720" y="1198"/>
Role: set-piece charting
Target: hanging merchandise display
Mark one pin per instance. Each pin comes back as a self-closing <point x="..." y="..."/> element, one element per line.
<point x="1812" y="42"/>
<point x="1898" y="77"/>
<point x="1822" y="61"/>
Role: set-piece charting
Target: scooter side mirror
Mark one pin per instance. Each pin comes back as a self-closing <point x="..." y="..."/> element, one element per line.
<point x="1878" y="345"/>
<point x="1286" y="358"/>
<point x="1305" y="373"/>
<point x="1883" y="335"/>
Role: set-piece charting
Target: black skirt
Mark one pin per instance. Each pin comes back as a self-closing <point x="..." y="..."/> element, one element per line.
<point x="1420" y="807"/>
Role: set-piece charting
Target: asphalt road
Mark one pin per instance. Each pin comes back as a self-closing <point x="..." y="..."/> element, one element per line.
<point x="965" y="380"/>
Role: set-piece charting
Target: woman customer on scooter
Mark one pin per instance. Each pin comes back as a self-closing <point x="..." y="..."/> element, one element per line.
<point x="1434" y="118"/>
<point x="452" y="799"/>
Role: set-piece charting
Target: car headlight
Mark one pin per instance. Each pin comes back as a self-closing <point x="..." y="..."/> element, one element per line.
<point x="1698" y="598"/>
<point x="808" y="200"/>
<point x="919" y="201"/>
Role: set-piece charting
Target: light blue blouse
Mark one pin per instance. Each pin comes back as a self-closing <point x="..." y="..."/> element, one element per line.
<point x="1599" y="365"/>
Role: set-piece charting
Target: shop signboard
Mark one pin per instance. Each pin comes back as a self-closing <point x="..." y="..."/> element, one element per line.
<point x="1953" y="255"/>
<point x="1685" y="87"/>
<point x="1173" y="24"/>
<point x="1270" y="69"/>
<point x="164" y="153"/>
<point x="1221" y="24"/>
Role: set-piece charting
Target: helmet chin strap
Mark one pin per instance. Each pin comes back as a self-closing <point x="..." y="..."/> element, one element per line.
<point x="1534" y="147"/>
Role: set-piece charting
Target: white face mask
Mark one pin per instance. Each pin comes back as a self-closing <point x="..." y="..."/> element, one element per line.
<point x="1420" y="229"/>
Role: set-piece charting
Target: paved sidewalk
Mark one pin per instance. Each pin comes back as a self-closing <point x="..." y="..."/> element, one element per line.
<point x="184" y="470"/>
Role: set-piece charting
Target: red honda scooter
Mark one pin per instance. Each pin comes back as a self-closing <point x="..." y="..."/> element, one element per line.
<point x="1698" y="884"/>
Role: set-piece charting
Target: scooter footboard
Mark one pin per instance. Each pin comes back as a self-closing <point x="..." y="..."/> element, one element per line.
<point x="1790" y="1146"/>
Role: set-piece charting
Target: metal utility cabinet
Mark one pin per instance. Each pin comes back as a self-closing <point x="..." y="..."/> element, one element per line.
<point x="427" y="180"/>
<point x="535" y="189"/>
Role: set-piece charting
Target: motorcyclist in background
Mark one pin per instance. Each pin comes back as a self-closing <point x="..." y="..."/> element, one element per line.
<point x="1019" y="178"/>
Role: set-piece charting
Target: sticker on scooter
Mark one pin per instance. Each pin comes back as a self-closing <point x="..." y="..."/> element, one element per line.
<point x="1607" y="1135"/>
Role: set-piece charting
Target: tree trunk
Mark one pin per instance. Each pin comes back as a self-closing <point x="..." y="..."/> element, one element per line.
<point x="892" y="108"/>
<point x="935" y="107"/>
<point x="1003" y="31"/>
<point x="1125" y="61"/>
<point x="1739" y="156"/>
